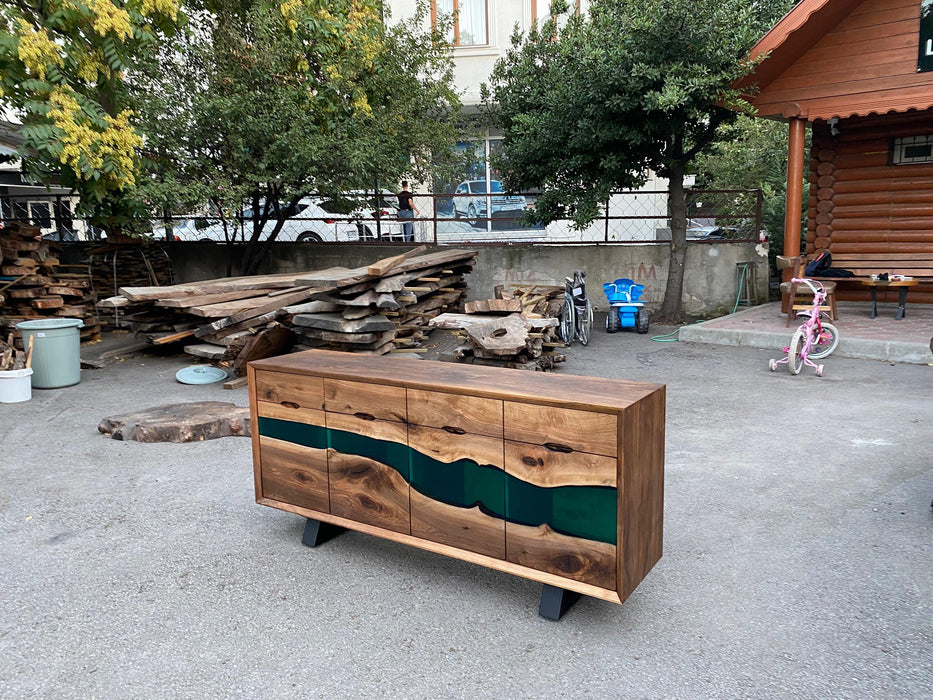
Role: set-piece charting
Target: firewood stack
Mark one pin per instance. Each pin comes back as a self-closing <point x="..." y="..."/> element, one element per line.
<point x="33" y="286"/>
<point x="131" y="264"/>
<point x="382" y="308"/>
<point x="516" y="329"/>
<point x="11" y="358"/>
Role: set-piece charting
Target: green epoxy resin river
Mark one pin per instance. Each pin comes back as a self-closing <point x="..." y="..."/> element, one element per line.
<point x="588" y="512"/>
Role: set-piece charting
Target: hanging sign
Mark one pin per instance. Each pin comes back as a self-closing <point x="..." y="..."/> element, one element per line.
<point x="925" y="59"/>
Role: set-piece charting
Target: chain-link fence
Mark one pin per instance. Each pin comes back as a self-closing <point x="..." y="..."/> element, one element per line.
<point x="458" y="218"/>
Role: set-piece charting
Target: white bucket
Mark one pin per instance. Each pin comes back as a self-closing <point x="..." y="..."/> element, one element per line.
<point x="15" y="385"/>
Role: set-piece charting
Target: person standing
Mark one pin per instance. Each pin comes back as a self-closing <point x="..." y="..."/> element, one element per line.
<point x="407" y="210"/>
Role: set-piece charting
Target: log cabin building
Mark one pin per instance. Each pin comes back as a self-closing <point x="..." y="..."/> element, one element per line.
<point x="860" y="73"/>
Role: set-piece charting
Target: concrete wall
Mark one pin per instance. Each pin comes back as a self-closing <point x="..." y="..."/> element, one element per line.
<point x="710" y="284"/>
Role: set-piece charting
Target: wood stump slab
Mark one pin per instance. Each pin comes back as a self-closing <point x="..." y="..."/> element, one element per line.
<point x="180" y="422"/>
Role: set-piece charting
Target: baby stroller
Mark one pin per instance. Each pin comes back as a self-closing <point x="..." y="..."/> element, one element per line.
<point x="625" y="310"/>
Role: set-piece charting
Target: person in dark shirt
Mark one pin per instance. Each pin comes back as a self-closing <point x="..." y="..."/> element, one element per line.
<point x="407" y="210"/>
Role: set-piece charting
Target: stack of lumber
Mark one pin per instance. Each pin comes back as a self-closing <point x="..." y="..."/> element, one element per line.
<point x="131" y="264"/>
<point x="33" y="285"/>
<point x="526" y="337"/>
<point x="384" y="307"/>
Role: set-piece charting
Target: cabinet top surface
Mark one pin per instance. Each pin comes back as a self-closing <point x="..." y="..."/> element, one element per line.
<point x="493" y="382"/>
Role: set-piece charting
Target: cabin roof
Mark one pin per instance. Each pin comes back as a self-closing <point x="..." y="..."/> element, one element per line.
<point x="841" y="58"/>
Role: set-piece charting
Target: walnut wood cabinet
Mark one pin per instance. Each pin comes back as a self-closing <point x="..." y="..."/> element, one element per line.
<point x="552" y="477"/>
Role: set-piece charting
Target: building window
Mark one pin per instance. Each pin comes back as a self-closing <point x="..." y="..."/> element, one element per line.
<point x="541" y="11"/>
<point x="913" y="149"/>
<point x="469" y="23"/>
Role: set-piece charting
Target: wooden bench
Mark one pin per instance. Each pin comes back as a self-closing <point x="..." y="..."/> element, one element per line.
<point x="863" y="266"/>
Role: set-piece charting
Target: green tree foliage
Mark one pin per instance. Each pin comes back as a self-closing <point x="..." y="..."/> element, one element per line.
<point x="63" y="68"/>
<point x="752" y="153"/>
<point x="268" y="101"/>
<point x="638" y="85"/>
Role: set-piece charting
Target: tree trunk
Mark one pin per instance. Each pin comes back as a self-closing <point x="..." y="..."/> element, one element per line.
<point x="672" y="310"/>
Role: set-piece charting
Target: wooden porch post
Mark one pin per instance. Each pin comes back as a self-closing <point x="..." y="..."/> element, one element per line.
<point x="797" y="131"/>
<point x="795" y="145"/>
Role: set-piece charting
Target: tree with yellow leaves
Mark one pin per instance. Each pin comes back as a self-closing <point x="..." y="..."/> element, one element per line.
<point x="63" y="67"/>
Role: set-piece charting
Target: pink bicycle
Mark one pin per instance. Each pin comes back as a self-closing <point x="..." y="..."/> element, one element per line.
<point x="813" y="339"/>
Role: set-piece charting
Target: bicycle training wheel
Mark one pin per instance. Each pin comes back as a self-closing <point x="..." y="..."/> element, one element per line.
<point x="794" y="357"/>
<point x="826" y="343"/>
<point x="567" y="321"/>
<point x="585" y="324"/>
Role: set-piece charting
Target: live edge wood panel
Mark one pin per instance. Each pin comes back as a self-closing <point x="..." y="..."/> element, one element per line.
<point x="552" y="477"/>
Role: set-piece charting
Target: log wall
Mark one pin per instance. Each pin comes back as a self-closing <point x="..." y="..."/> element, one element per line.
<point x="860" y="202"/>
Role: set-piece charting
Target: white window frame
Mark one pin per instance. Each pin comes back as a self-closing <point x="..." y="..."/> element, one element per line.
<point x="903" y="143"/>
<point x="455" y="39"/>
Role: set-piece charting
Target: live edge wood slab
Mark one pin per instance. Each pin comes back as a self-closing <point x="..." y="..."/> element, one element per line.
<point x="555" y="478"/>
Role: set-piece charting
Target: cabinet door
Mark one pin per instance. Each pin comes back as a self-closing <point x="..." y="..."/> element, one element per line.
<point x="458" y="490"/>
<point x="561" y="491"/>
<point x="293" y="456"/>
<point x="290" y="390"/>
<point x="369" y="470"/>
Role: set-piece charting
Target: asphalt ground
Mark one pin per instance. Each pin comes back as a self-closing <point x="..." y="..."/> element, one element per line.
<point x="797" y="555"/>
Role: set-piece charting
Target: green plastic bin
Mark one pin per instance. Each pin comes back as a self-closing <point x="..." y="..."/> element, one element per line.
<point x="56" y="351"/>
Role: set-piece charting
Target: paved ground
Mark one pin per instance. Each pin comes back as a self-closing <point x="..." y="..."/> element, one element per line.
<point x="796" y="562"/>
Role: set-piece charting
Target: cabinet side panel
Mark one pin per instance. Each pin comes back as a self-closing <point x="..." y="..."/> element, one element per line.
<point x="641" y="496"/>
<point x="254" y="431"/>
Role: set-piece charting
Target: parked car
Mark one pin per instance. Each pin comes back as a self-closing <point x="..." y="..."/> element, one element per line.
<point x="470" y="198"/>
<point x="312" y="220"/>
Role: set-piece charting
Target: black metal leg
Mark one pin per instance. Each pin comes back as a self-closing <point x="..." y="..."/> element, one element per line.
<point x="317" y="532"/>
<point x="901" y="303"/>
<point x="556" y="601"/>
<point x="874" y="302"/>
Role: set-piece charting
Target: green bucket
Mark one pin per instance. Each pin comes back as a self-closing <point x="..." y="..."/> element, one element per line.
<point x="56" y="351"/>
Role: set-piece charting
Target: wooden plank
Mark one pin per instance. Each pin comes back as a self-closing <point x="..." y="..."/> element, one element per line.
<point x="215" y="286"/>
<point x="237" y="383"/>
<point x="379" y="268"/>
<point x="206" y="299"/>
<point x="206" y="350"/>
<point x="172" y="337"/>
<point x="337" y="323"/>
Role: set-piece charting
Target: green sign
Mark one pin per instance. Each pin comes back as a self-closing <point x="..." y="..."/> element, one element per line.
<point x="925" y="59"/>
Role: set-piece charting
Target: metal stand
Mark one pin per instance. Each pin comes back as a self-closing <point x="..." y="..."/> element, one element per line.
<point x="746" y="282"/>
<point x="317" y="532"/>
<point x="556" y="601"/>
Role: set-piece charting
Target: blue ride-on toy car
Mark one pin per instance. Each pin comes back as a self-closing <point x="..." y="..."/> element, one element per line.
<point x="625" y="310"/>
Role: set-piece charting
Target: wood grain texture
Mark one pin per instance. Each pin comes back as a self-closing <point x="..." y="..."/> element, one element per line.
<point x="297" y="392"/>
<point x="546" y="389"/>
<point x="445" y="447"/>
<point x="381" y="402"/>
<point x="543" y="467"/>
<point x="581" y="431"/>
<point x="368" y="491"/>
<point x="465" y="528"/>
<point x="641" y="495"/>
<point x="446" y="550"/>
<point x="390" y="431"/>
<point x="294" y="473"/>
<point x="470" y="414"/>
<point x="570" y="557"/>
<point x="307" y="416"/>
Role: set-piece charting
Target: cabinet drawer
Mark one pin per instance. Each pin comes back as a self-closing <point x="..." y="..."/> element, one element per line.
<point x="545" y="467"/>
<point x="293" y="390"/>
<point x="564" y="429"/>
<point x="369" y="469"/>
<point x="366" y="400"/>
<point x="455" y="413"/>
<point x="458" y="490"/>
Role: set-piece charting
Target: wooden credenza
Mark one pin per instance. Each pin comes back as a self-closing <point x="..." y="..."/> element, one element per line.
<point x="556" y="478"/>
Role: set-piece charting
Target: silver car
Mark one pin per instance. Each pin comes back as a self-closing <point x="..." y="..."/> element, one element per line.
<point x="471" y="197"/>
